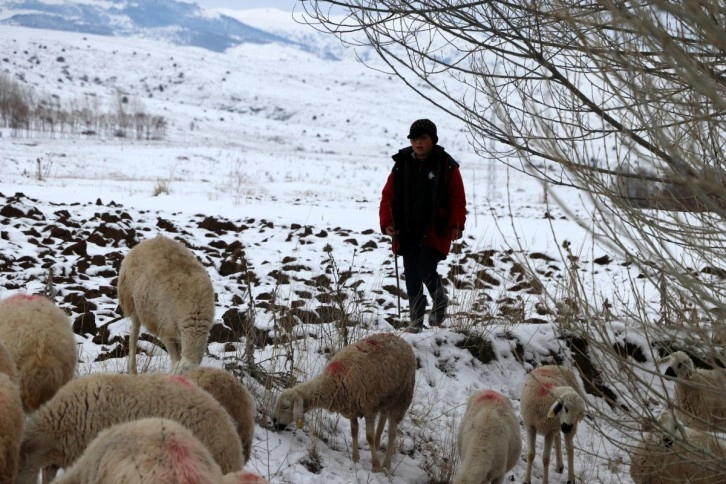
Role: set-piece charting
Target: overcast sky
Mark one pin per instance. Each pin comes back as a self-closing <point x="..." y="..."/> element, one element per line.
<point x="245" y="4"/>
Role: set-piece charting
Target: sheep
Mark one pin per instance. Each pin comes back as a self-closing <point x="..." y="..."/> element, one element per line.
<point x="551" y="402"/>
<point x="374" y="377"/>
<point x="700" y="393"/>
<point x="163" y="287"/>
<point x="39" y="337"/>
<point x="671" y="453"/>
<point x="58" y="432"/>
<point x="234" y="397"/>
<point x="148" y="450"/>
<point x="489" y="440"/>
<point x="11" y="427"/>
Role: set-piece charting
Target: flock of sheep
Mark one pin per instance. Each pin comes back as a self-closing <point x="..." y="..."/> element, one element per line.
<point x="196" y="424"/>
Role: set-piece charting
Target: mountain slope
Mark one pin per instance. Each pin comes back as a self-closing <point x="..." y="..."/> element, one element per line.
<point x="180" y="23"/>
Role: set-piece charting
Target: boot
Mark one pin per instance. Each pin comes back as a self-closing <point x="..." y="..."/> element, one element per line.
<point x="440" y="303"/>
<point x="417" y="309"/>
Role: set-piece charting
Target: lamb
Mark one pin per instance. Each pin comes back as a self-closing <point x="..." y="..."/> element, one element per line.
<point x="234" y="397"/>
<point x="148" y="450"/>
<point x="374" y="377"/>
<point x="11" y="427"/>
<point x="58" y="432"/>
<point x="39" y="337"/>
<point x="673" y="454"/>
<point x="163" y="287"/>
<point x="700" y="393"/>
<point x="551" y="400"/>
<point x="489" y="440"/>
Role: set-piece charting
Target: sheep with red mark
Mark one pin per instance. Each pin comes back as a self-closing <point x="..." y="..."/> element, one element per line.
<point x="551" y="401"/>
<point x="672" y="453"/>
<point x="700" y="393"/>
<point x="38" y="335"/>
<point x="163" y="287"/>
<point x="148" y="450"/>
<point x="489" y="440"/>
<point x="11" y="427"/>
<point x="58" y="432"/>
<point x="372" y="378"/>
<point x="234" y="397"/>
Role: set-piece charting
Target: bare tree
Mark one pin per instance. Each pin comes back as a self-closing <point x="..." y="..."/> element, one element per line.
<point x="624" y="101"/>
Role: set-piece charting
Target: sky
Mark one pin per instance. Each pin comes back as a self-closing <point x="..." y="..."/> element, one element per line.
<point x="286" y="5"/>
<point x="296" y="159"/>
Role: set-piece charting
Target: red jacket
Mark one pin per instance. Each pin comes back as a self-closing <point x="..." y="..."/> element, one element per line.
<point x="435" y="187"/>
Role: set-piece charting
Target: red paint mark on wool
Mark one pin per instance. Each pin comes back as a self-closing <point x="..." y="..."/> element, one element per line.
<point x="490" y="395"/>
<point x="183" y="463"/>
<point x="544" y="388"/>
<point x="249" y="478"/>
<point x="180" y="379"/>
<point x="335" y="368"/>
<point x="27" y="297"/>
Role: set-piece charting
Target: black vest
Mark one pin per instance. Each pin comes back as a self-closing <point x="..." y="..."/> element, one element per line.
<point x="421" y="195"/>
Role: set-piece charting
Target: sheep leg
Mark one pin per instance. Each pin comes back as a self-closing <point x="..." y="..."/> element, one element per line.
<point x="371" y="439"/>
<point x="570" y="458"/>
<point x="559" y="467"/>
<point x="382" y="417"/>
<point x="172" y="348"/>
<point x="392" y="432"/>
<point x="354" y="435"/>
<point x="49" y="473"/>
<point x="133" y="339"/>
<point x="546" y="452"/>
<point x="531" y="439"/>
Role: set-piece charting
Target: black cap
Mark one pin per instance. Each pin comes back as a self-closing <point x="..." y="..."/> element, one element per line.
<point x="421" y="127"/>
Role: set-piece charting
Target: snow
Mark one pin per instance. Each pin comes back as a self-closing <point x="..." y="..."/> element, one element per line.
<point x="278" y="136"/>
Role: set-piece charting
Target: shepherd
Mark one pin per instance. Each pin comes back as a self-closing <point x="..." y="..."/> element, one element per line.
<point x="423" y="209"/>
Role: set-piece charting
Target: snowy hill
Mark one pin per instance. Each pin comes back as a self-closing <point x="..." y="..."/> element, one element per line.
<point x="176" y="22"/>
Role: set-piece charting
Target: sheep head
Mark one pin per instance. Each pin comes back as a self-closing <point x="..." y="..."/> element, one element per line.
<point x="666" y="429"/>
<point x="569" y="408"/>
<point x="289" y="408"/>
<point x="679" y="364"/>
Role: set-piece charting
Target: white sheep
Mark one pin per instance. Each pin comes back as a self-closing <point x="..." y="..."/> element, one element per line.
<point x="672" y="453"/>
<point x="11" y="427"/>
<point x="374" y="377"/>
<point x="148" y="450"/>
<point x="58" y="432"/>
<point x="39" y="337"/>
<point x="163" y="287"/>
<point x="551" y="401"/>
<point x="700" y="394"/>
<point x="234" y="397"/>
<point x="489" y="439"/>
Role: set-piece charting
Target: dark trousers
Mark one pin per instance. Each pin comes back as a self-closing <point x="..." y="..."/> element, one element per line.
<point x="419" y="270"/>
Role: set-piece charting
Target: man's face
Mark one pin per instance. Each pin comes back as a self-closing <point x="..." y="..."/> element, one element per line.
<point x="422" y="146"/>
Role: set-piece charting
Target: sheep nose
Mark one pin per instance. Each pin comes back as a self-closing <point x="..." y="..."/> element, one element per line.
<point x="566" y="428"/>
<point x="669" y="372"/>
<point x="278" y="426"/>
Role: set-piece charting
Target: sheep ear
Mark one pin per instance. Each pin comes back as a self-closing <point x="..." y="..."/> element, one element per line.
<point x="555" y="409"/>
<point x="666" y="359"/>
<point x="298" y="411"/>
